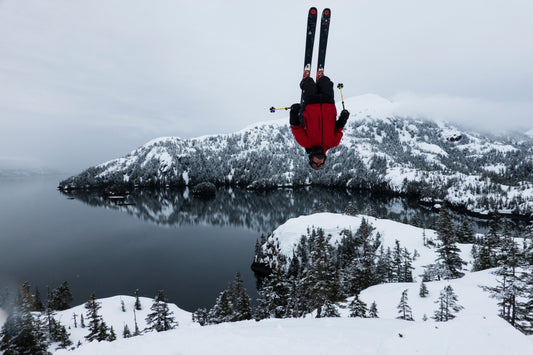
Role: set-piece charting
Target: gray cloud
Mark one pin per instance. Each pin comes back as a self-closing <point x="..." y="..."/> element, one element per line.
<point x="82" y="82"/>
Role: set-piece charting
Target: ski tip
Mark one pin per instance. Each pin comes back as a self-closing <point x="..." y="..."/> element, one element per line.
<point x="327" y="12"/>
<point x="312" y="10"/>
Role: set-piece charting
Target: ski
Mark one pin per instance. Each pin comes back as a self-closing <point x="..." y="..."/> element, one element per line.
<point x="323" y="42"/>
<point x="309" y="41"/>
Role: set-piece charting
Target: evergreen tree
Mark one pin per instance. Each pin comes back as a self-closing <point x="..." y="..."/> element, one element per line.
<point x="448" y="251"/>
<point x="373" y="311"/>
<point x="321" y="278"/>
<point x="465" y="233"/>
<point x="22" y="332"/>
<point x="423" y="290"/>
<point x="112" y="336"/>
<point x="37" y="303"/>
<point x="200" y="316"/>
<point x="511" y="286"/>
<point x="447" y="305"/>
<point x="62" y="337"/>
<point x="92" y="307"/>
<point x="232" y="305"/>
<point x="126" y="333"/>
<point x="483" y="259"/>
<point x="60" y="298"/>
<point x="137" y="305"/>
<point x="404" y="310"/>
<point x="241" y="300"/>
<point x="161" y="318"/>
<point x="383" y="266"/>
<point x="407" y="268"/>
<point x="358" y="308"/>
<point x="103" y="332"/>
<point x="396" y="262"/>
<point x="57" y="333"/>
<point x="330" y="310"/>
<point x="297" y="304"/>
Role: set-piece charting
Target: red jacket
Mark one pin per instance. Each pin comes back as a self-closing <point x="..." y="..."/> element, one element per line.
<point x="318" y="127"/>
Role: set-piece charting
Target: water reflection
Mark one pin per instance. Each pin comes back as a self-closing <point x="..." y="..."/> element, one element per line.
<point x="257" y="211"/>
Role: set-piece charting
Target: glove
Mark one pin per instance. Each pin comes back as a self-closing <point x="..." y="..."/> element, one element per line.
<point x="343" y="117"/>
<point x="295" y="115"/>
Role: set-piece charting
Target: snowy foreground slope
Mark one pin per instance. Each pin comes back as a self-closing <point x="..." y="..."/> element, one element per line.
<point x="476" y="330"/>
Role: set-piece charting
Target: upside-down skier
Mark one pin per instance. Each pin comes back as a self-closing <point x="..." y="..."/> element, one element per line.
<point x="313" y="123"/>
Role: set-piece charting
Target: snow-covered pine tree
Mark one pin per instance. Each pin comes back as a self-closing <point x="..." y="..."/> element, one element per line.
<point x="448" y="251"/>
<point x="447" y="305"/>
<point x="404" y="310"/>
<point x="407" y="268"/>
<point x="22" y="332"/>
<point x="103" y="332"/>
<point x="59" y="299"/>
<point x="222" y="311"/>
<point x="112" y="335"/>
<point x="92" y="306"/>
<point x="200" y="316"/>
<point x="423" y="290"/>
<point x="37" y="303"/>
<point x="161" y="318"/>
<point x="137" y="305"/>
<point x="373" y="310"/>
<point x="297" y="303"/>
<point x="511" y="285"/>
<point x="330" y="310"/>
<point x="396" y="262"/>
<point x="526" y="305"/>
<point x="57" y="333"/>
<point x="126" y="333"/>
<point x="358" y="308"/>
<point x="321" y="278"/>
<point x="232" y="305"/>
<point x="384" y="273"/>
<point x="366" y="274"/>
<point x="242" y="309"/>
<point x="465" y="233"/>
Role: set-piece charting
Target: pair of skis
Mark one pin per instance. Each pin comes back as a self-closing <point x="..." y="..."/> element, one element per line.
<point x="310" y="40"/>
<point x="309" y="43"/>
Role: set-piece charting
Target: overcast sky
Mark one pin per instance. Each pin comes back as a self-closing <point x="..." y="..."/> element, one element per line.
<point x="86" y="81"/>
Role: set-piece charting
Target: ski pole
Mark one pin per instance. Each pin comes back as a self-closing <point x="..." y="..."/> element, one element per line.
<point x="274" y="109"/>
<point x="340" y="86"/>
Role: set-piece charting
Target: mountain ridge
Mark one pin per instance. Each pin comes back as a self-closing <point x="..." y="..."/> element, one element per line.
<point x="380" y="151"/>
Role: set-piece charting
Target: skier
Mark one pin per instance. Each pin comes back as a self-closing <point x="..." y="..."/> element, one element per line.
<point x="313" y="123"/>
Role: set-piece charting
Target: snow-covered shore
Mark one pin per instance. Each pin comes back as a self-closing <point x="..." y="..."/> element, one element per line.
<point x="477" y="329"/>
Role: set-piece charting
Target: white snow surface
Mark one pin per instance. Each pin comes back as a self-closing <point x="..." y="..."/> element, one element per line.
<point x="476" y="330"/>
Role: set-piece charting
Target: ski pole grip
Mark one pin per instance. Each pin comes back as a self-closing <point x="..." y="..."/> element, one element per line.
<point x="340" y="86"/>
<point x="274" y="109"/>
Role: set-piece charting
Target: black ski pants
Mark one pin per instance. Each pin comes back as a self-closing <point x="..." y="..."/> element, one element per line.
<point x="320" y="92"/>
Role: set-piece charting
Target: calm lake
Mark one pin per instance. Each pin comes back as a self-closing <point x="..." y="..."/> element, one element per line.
<point x="153" y="239"/>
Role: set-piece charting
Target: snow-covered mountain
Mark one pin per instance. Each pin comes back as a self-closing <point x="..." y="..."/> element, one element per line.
<point x="381" y="151"/>
<point x="477" y="329"/>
